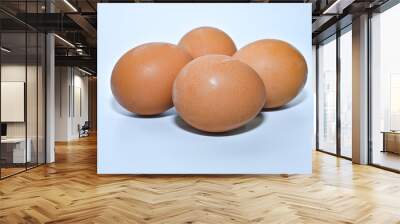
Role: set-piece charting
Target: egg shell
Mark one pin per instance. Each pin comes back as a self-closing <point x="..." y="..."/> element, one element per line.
<point x="143" y="77"/>
<point x="216" y="93"/>
<point x="280" y="65"/>
<point x="207" y="40"/>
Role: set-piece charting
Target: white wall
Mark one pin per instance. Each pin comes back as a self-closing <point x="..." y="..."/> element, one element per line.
<point x="79" y="117"/>
<point x="61" y="103"/>
<point x="70" y="84"/>
<point x="16" y="72"/>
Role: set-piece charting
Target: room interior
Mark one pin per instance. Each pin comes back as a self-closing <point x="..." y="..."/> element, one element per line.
<point x="385" y="104"/>
<point x="22" y="102"/>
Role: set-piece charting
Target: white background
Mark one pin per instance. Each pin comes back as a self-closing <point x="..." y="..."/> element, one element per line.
<point x="275" y="142"/>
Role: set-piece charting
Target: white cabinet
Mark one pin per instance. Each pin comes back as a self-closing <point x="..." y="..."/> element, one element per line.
<point x="17" y="145"/>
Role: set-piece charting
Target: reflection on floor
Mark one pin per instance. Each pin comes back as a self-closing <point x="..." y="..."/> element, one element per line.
<point x="10" y="169"/>
<point x="346" y="152"/>
<point x="386" y="159"/>
<point x="70" y="191"/>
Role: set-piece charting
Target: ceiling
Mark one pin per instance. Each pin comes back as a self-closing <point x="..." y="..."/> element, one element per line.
<point x="75" y="22"/>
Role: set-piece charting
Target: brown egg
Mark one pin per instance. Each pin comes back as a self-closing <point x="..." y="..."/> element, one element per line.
<point x="207" y="40"/>
<point x="281" y="66"/>
<point x="143" y="77"/>
<point x="216" y="93"/>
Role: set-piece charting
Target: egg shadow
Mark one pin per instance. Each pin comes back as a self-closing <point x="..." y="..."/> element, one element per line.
<point x="253" y="124"/>
<point x="119" y="109"/>
<point x="296" y="101"/>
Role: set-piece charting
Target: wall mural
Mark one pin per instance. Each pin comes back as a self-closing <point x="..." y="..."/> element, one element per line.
<point x="219" y="97"/>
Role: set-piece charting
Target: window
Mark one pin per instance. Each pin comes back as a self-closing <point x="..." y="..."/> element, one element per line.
<point x="385" y="89"/>
<point x="22" y="78"/>
<point x="335" y="74"/>
<point x="327" y="97"/>
<point x="346" y="95"/>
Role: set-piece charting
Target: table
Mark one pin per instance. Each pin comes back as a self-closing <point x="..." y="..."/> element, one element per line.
<point x="391" y="141"/>
<point x="13" y="150"/>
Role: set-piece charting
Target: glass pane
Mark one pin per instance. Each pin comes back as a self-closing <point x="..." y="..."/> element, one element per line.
<point x="41" y="98"/>
<point x="31" y="88"/>
<point x="346" y="94"/>
<point x="13" y="89"/>
<point x="327" y="96"/>
<point x="23" y="90"/>
<point x="386" y="89"/>
<point x="32" y="95"/>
